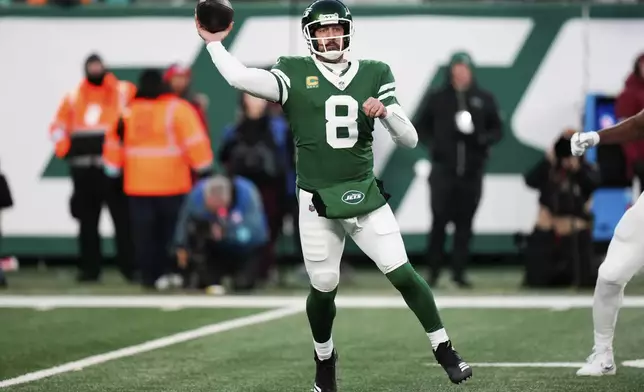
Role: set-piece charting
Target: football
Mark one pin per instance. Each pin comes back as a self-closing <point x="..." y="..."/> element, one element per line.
<point x="214" y="15"/>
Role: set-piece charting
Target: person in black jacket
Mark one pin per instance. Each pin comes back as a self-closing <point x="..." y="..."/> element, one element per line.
<point x="559" y="250"/>
<point x="458" y="123"/>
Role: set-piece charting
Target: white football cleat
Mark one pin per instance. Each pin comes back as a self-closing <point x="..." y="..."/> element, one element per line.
<point x="599" y="363"/>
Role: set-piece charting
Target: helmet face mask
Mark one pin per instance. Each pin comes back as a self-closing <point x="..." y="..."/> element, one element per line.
<point x="327" y="13"/>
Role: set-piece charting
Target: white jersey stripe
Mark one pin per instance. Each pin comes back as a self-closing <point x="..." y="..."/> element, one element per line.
<point x="283" y="76"/>
<point x="284" y="89"/>
<point x="386" y="87"/>
<point x="386" y="95"/>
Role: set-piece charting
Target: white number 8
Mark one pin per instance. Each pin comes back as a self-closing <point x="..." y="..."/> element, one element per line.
<point x="335" y="122"/>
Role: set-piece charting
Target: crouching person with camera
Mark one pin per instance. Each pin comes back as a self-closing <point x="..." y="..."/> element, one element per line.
<point x="220" y="232"/>
<point x="559" y="251"/>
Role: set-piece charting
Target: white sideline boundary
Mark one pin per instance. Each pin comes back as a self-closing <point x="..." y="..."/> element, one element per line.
<point x="155" y="344"/>
<point x="522" y="364"/>
<point x="176" y="302"/>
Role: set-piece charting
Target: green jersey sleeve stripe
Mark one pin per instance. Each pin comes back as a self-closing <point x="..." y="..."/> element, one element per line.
<point x="387" y="95"/>
<point x="283" y="76"/>
<point x="388" y="86"/>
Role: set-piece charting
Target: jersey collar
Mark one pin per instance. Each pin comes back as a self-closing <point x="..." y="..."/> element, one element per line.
<point x="341" y="82"/>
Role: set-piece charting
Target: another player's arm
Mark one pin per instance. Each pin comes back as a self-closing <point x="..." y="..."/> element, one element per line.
<point x="625" y="131"/>
<point x="628" y="130"/>
<point x="395" y="120"/>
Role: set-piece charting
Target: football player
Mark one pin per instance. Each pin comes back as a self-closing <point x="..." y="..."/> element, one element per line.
<point x="625" y="254"/>
<point x="331" y="103"/>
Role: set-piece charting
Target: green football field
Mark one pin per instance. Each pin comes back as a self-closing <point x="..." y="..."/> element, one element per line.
<point x="515" y="341"/>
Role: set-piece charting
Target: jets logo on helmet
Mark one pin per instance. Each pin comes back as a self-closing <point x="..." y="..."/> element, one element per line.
<point x="333" y="18"/>
<point x="324" y="13"/>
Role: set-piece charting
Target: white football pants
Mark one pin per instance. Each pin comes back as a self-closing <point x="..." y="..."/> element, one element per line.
<point x="624" y="258"/>
<point x="377" y="234"/>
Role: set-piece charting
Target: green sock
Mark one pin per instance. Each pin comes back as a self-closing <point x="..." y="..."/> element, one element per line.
<point x="320" y="309"/>
<point x="417" y="295"/>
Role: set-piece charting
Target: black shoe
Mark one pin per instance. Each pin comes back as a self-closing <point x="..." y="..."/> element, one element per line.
<point x="325" y="374"/>
<point x="457" y="369"/>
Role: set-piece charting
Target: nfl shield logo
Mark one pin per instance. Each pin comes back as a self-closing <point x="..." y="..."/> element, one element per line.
<point x="311" y="207"/>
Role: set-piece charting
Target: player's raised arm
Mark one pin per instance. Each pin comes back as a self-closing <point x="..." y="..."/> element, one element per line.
<point x="628" y="130"/>
<point x="255" y="81"/>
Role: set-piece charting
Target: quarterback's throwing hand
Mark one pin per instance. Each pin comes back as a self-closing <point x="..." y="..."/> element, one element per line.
<point x="581" y="141"/>
<point x="374" y="108"/>
<point x="209" y="37"/>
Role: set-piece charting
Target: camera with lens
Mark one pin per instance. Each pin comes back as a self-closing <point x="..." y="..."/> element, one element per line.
<point x="562" y="151"/>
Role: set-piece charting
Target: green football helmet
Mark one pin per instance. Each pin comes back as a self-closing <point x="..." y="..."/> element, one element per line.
<point x="327" y="12"/>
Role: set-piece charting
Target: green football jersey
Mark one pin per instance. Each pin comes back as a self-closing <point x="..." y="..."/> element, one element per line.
<point x="333" y="136"/>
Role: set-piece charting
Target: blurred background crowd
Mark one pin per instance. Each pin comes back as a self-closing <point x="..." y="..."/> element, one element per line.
<point x="219" y="208"/>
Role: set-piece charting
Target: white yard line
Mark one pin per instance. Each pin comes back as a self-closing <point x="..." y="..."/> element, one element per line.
<point x="155" y="344"/>
<point x="529" y="364"/>
<point x="638" y="363"/>
<point x="559" y="302"/>
<point x="523" y="364"/>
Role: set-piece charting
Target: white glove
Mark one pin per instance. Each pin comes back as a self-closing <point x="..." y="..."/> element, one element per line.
<point x="464" y="122"/>
<point x="581" y="141"/>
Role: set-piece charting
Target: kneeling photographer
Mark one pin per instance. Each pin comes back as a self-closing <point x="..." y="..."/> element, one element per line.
<point x="220" y="232"/>
<point x="559" y="250"/>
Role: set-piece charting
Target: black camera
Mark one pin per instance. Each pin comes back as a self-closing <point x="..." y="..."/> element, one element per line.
<point x="562" y="149"/>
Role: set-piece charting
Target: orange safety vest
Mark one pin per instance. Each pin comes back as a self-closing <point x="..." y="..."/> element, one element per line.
<point x="89" y="110"/>
<point x="156" y="144"/>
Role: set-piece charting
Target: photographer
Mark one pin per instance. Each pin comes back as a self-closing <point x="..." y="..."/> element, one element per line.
<point x="259" y="148"/>
<point x="559" y="251"/>
<point x="221" y="230"/>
